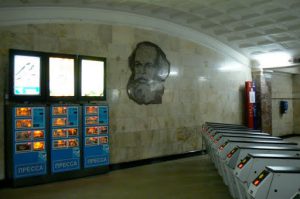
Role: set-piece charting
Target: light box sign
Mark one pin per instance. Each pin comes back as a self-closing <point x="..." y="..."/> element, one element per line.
<point x="92" y="78"/>
<point x="27" y="75"/>
<point x="61" y="77"/>
<point x="41" y="76"/>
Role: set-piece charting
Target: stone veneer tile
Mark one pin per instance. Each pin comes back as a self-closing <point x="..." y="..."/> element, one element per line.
<point x="296" y="83"/>
<point x="190" y="47"/>
<point x="190" y="59"/>
<point x="296" y="103"/>
<point x="282" y="85"/>
<point x="296" y="115"/>
<point x="146" y="35"/>
<point x="119" y="51"/>
<point x="48" y="44"/>
<point x="118" y="80"/>
<point x="123" y="35"/>
<point x="282" y="89"/>
<point x="282" y="124"/>
<point x="169" y="43"/>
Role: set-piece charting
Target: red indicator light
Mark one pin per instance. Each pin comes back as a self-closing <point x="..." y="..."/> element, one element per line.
<point x="229" y="155"/>
<point x="243" y="162"/>
<point x="260" y="178"/>
<point x="256" y="182"/>
<point x="222" y="146"/>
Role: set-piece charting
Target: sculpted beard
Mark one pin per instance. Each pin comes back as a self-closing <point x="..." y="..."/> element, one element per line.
<point x="145" y="91"/>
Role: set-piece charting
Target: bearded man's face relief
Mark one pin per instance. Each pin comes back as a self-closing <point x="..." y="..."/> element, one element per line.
<point x="149" y="68"/>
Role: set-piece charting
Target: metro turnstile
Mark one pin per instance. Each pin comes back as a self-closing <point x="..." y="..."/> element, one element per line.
<point x="236" y="156"/>
<point x="230" y="144"/>
<point x="252" y="164"/>
<point x="276" y="182"/>
<point x="222" y="139"/>
<point x="215" y="137"/>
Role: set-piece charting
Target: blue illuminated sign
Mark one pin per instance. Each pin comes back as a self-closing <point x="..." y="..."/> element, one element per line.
<point x="30" y="170"/>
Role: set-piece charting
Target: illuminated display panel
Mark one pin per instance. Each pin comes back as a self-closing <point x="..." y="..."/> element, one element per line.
<point x="26" y="76"/>
<point x="73" y="143"/>
<point x="23" y="111"/>
<point x="26" y="123"/>
<point x="61" y="77"/>
<point x="103" y="129"/>
<point x="103" y="140"/>
<point x="23" y="147"/>
<point x="60" y="143"/>
<point x="92" y="78"/>
<point x="91" y="131"/>
<point x="59" y="122"/>
<point x="60" y="110"/>
<point x="39" y="146"/>
<point x="261" y="177"/>
<point x="91" y="120"/>
<point x="59" y="133"/>
<point x="38" y="134"/>
<point x="91" y="110"/>
<point x="43" y="76"/>
<point x="72" y="132"/>
<point x="23" y="135"/>
<point x="91" y="141"/>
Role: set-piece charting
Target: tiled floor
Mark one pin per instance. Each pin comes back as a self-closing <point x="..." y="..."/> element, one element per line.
<point x="186" y="178"/>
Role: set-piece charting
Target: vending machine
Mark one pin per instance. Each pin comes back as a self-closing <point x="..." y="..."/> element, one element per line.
<point x="95" y="135"/>
<point x="65" y="138"/>
<point x="27" y="141"/>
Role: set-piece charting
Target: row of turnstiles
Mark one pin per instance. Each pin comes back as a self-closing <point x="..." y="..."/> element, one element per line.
<point x="253" y="164"/>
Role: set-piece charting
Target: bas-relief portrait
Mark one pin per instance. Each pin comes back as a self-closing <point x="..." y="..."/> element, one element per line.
<point x="150" y="68"/>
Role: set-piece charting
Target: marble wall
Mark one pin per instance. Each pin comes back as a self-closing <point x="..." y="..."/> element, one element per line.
<point x="203" y="86"/>
<point x="296" y="103"/>
<point x="263" y="82"/>
<point x="282" y="90"/>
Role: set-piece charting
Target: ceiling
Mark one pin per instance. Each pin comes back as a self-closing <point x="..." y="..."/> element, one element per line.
<point x="251" y="27"/>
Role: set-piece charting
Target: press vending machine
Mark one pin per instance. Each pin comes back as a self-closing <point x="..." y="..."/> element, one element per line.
<point x="65" y="138"/>
<point x="95" y="136"/>
<point x="28" y="133"/>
